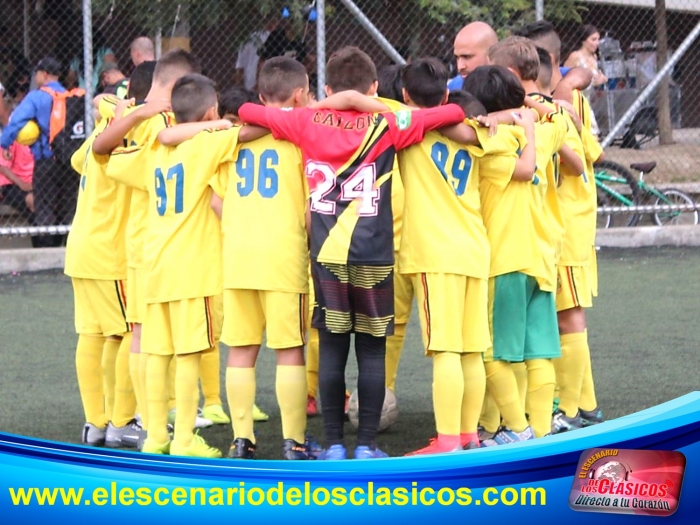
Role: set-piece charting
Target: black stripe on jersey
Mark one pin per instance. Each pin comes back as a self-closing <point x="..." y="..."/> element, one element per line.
<point x="122" y="306"/>
<point x="322" y="225"/>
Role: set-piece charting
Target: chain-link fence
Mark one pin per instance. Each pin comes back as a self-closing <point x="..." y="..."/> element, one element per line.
<point x="232" y="38"/>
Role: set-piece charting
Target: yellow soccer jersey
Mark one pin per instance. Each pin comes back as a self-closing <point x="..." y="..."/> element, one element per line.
<point x="263" y="218"/>
<point x="550" y="134"/>
<point x="443" y="231"/>
<point x="182" y="248"/>
<point x="121" y="169"/>
<point x="577" y="197"/>
<point x="397" y="189"/>
<point x="96" y="243"/>
<point x="505" y="206"/>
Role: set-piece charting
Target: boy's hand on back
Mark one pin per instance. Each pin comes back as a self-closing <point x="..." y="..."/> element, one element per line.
<point x="524" y="119"/>
<point x="488" y="121"/>
<point x="121" y="106"/>
<point x="571" y="111"/>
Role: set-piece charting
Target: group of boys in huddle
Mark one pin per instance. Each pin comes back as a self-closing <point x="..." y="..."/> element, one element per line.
<point x="479" y="203"/>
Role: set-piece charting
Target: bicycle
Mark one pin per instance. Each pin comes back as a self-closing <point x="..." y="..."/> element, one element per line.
<point x="616" y="186"/>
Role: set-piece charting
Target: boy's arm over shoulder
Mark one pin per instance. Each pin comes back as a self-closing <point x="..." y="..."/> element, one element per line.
<point x="409" y="127"/>
<point x="286" y="124"/>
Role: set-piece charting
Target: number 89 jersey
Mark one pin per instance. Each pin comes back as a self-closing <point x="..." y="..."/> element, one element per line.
<point x="443" y="230"/>
<point x="263" y="218"/>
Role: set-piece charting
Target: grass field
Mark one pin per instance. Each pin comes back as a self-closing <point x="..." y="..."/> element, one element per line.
<point x="644" y="334"/>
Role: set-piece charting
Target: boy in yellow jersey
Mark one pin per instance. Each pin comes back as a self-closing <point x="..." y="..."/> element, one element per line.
<point x="183" y="303"/>
<point x="442" y="188"/>
<point x="96" y="262"/>
<point x="134" y="130"/>
<point x="577" y="268"/>
<point x="96" y="243"/>
<point x="265" y="267"/>
<point x="535" y="339"/>
<point x="516" y="308"/>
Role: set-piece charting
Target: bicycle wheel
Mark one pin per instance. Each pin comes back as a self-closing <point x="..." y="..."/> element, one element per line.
<point x="604" y="220"/>
<point x="673" y="196"/>
<point x="621" y="188"/>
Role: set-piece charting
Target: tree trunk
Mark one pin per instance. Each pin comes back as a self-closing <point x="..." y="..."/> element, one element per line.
<point x="663" y="98"/>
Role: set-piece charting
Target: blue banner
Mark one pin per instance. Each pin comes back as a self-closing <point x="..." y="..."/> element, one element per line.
<point x="44" y="481"/>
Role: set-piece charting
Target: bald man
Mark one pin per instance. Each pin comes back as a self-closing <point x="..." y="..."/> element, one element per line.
<point x="471" y="48"/>
<point x="142" y="50"/>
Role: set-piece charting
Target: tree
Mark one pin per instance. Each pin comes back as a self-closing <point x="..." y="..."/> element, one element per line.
<point x="663" y="99"/>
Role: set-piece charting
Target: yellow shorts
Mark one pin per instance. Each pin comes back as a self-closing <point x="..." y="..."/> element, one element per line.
<point x="575" y="287"/>
<point x="403" y="296"/>
<point x="282" y="316"/>
<point x="136" y="292"/>
<point x="100" y="307"/>
<point x="182" y="327"/>
<point x="453" y="312"/>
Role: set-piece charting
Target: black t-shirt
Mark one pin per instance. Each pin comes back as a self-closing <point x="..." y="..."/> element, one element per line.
<point x="278" y="45"/>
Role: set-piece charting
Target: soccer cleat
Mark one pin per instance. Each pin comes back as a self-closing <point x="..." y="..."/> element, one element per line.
<point x="216" y="414"/>
<point x="152" y="447"/>
<point x="127" y="436"/>
<point x="592" y="417"/>
<point x="563" y="423"/>
<point x="93" y="436"/>
<point x="259" y="415"/>
<point x="311" y="406"/>
<point x="313" y="447"/>
<point x="334" y="452"/>
<point x="373" y="452"/>
<point x="504" y="436"/>
<point x="485" y="434"/>
<point x="555" y="405"/>
<point x="199" y="422"/>
<point x="438" y="446"/>
<point x="294" y="450"/>
<point x="198" y="448"/>
<point x="241" y="448"/>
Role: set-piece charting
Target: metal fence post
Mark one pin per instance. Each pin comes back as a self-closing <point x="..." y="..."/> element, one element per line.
<point x="644" y="95"/>
<point x="374" y="32"/>
<point x="320" y="49"/>
<point x="539" y="9"/>
<point x="87" y="59"/>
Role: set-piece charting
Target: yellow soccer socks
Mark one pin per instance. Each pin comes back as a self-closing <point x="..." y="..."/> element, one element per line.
<point x="240" y="392"/>
<point x="291" y="389"/>
<point x="88" y="365"/>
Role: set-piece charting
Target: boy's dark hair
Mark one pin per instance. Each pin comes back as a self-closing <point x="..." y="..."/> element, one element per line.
<point x="545" y="76"/>
<point x="390" y="85"/>
<point x="192" y="96"/>
<point x="544" y="35"/>
<point x="141" y="80"/>
<point x="495" y="87"/>
<point x="231" y="100"/>
<point x="175" y="64"/>
<point x="468" y="102"/>
<point x="425" y="81"/>
<point x="350" y="68"/>
<point x="517" y="53"/>
<point x="279" y="77"/>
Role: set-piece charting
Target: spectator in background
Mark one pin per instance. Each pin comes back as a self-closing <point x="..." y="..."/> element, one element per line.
<point x="247" y="64"/>
<point x="587" y="54"/>
<point x="471" y="48"/>
<point x="142" y="50"/>
<point x="16" y="179"/>
<point x="55" y="186"/>
<point x="283" y="43"/>
<point x="113" y="81"/>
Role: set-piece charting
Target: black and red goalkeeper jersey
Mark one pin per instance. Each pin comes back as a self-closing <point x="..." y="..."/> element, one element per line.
<point x="349" y="162"/>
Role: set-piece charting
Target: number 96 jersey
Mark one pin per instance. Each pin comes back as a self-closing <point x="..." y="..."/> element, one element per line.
<point x="263" y="218"/>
